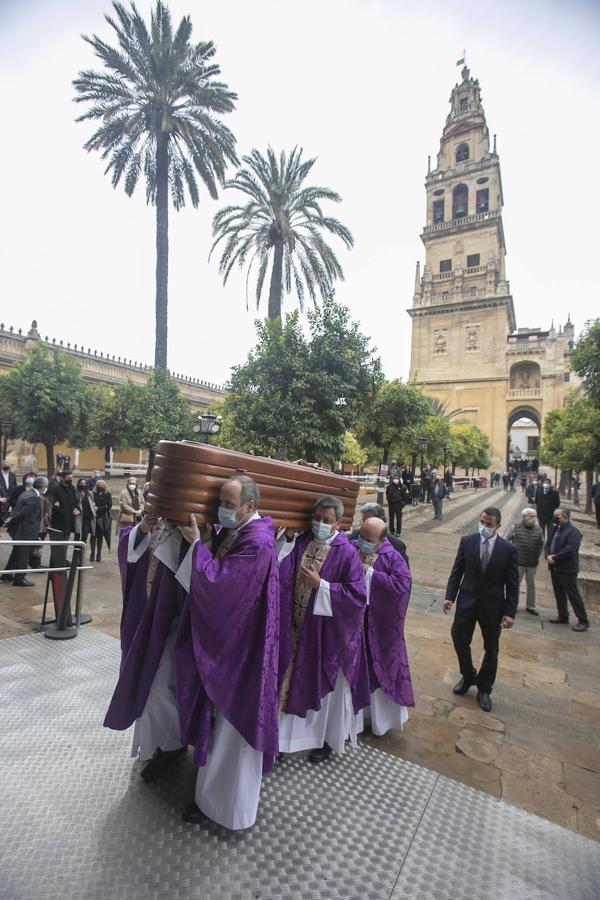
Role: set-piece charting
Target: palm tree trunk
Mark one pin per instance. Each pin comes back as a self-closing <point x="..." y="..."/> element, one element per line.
<point x="50" y="461"/>
<point x="162" y="250"/>
<point x="276" y="286"/>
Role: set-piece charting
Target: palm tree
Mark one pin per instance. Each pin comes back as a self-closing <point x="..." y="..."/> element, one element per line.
<point x="159" y="105"/>
<point x="440" y="408"/>
<point x="282" y="215"/>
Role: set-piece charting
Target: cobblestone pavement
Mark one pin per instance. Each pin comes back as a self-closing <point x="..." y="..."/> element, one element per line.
<point x="538" y="749"/>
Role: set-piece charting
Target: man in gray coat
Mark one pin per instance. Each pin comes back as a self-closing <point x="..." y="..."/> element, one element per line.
<point x="527" y="537"/>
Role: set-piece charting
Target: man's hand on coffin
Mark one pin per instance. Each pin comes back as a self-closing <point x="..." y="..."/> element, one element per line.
<point x="191" y="532"/>
<point x="311" y="576"/>
<point x="148" y="523"/>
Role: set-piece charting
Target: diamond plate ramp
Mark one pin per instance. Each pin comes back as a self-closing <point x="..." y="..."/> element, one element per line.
<point x="77" y="821"/>
<point x="470" y="846"/>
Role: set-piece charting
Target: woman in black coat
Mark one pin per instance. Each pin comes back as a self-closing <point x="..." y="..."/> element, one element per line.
<point x="103" y="503"/>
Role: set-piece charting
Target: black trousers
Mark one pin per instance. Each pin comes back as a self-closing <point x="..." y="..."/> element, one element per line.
<point x="566" y="586"/>
<point x="462" y="635"/>
<point x="19" y="559"/>
<point x="395" y="513"/>
<point x="597" y="508"/>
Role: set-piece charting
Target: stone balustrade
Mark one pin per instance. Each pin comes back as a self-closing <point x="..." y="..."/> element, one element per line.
<point x="465" y="220"/>
<point x="524" y="393"/>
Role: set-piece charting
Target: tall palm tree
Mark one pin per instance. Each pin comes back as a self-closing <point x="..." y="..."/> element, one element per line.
<point x="282" y="215"/>
<point x="159" y="108"/>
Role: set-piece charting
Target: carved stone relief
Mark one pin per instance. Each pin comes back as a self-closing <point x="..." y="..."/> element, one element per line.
<point x="440" y="341"/>
<point x="472" y="338"/>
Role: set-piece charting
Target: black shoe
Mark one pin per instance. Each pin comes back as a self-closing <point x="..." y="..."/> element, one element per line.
<point x="558" y="621"/>
<point x="98" y="558"/>
<point x="320" y="754"/>
<point x="23" y="582"/>
<point x="581" y="626"/>
<point x="6" y="577"/>
<point x="193" y="814"/>
<point x="532" y="612"/>
<point x="485" y="701"/>
<point x="462" y="686"/>
<point x="160" y="762"/>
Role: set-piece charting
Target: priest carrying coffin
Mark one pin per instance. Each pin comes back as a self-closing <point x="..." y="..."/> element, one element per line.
<point x="226" y="657"/>
<point x="323" y="662"/>
<point x="150" y="554"/>
<point x="388" y="581"/>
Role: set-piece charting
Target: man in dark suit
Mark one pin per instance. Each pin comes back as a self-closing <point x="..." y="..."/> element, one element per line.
<point x="66" y="507"/>
<point x="546" y="501"/>
<point x="25" y="524"/>
<point x="563" y="560"/>
<point x="8" y="483"/>
<point x="485" y="576"/>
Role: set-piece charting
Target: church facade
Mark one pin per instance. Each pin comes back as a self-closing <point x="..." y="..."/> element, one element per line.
<point x="466" y="348"/>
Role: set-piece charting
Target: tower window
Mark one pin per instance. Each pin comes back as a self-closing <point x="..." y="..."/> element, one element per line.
<point x="483" y="200"/>
<point x="445" y="265"/>
<point x="460" y="201"/>
<point x="444" y="296"/>
<point x="438" y="212"/>
<point x="464" y="104"/>
<point x="472" y="260"/>
<point x="462" y="152"/>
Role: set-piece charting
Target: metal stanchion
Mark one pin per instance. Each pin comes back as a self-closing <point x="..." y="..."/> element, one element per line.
<point x="63" y="630"/>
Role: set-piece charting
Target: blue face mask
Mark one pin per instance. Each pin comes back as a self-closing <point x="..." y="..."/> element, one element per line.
<point x="321" y="530"/>
<point x="486" y="532"/>
<point x="366" y="547"/>
<point x="228" y="517"/>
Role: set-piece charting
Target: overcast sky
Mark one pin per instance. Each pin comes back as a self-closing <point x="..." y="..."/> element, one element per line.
<point x="361" y="84"/>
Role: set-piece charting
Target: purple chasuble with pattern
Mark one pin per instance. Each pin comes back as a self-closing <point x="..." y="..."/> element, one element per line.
<point x="145" y="625"/>
<point x="327" y="644"/>
<point x="391" y="583"/>
<point x="227" y="647"/>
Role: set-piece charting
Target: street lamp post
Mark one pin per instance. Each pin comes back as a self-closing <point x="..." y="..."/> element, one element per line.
<point x="208" y="425"/>
<point x="422" y="447"/>
<point x="6" y="430"/>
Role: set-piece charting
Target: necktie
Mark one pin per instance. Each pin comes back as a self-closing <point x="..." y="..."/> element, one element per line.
<point x="485" y="554"/>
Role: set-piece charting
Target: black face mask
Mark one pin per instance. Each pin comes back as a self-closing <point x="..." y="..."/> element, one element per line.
<point x="556" y="520"/>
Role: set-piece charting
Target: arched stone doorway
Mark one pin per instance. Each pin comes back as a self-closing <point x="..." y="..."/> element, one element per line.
<point x="523" y="439"/>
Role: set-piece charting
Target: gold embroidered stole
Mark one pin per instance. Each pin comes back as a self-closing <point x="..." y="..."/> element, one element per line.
<point x="158" y="535"/>
<point x="314" y="556"/>
<point x="227" y="544"/>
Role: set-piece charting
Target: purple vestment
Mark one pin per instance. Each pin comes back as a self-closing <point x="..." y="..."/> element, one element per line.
<point x="145" y="625"/>
<point x="227" y="646"/>
<point x="384" y="626"/>
<point x="327" y="644"/>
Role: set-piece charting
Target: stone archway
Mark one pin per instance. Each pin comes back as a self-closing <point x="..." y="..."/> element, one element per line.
<point x="523" y="437"/>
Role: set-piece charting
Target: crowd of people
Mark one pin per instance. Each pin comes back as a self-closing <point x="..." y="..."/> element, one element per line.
<point x="404" y="488"/>
<point x="246" y="642"/>
<point x="65" y="509"/>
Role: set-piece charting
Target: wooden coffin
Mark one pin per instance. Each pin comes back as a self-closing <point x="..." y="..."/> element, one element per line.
<point x="187" y="476"/>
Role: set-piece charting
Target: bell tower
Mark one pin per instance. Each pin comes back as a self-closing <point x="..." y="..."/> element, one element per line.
<point x="462" y="308"/>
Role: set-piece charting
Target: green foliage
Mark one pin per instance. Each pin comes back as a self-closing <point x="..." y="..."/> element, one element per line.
<point x="283" y="220"/>
<point x="47" y="396"/>
<point x="571" y="436"/>
<point x="470" y="447"/>
<point x="152" y="412"/>
<point x="286" y="396"/>
<point x="437" y="431"/>
<point x="440" y="408"/>
<point x="157" y="82"/>
<point x="393" y="419"/>
<point x="585" y="360"/>
<point x="353" y="454"/>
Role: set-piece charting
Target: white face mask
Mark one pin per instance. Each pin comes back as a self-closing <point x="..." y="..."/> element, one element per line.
<point x="131" y="487"/>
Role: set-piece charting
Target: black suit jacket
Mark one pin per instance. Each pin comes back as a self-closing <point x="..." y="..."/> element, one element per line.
<point x="488" y="595"/>
<point x="26" y="519"/>
<point x="566" y="549"/>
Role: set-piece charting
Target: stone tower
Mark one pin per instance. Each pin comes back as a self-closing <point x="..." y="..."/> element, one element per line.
<point x="462" y="307"/>
<point x="466" y="349"/>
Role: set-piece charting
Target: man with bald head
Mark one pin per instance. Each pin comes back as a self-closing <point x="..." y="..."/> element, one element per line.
<point x="226" y="657"/>
<point x="388" y="583"/>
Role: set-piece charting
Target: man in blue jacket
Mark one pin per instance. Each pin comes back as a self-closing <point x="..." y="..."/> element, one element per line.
<point x="485" y="578"/>
<point x="563" y="560"/>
